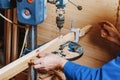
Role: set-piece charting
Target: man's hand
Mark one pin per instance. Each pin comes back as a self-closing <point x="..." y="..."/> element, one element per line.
<point x="109" y="32"/>
<point x="49" y="62"/>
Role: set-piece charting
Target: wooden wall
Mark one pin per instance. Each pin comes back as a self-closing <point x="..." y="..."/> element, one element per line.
<point x="97" y="51"/>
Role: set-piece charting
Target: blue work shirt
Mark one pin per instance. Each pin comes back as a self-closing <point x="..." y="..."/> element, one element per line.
<point x="109" y="71"/>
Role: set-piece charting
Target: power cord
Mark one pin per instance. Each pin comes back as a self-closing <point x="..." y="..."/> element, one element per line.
<point x="26" y="32"/>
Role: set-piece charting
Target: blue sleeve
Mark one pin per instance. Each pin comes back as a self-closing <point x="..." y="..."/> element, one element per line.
<point x="109" y="71"/>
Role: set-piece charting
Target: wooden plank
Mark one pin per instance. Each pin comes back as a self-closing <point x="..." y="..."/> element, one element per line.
<point x="98" y="50"/>
<point x="7" y="33"/>
<point x="14" y="37"/>
<point x="21" y="64"/>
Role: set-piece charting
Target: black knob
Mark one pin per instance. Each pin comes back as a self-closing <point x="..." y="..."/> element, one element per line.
<point x="79" y="7"/>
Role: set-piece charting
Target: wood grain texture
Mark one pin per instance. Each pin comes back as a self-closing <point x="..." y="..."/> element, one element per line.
<point x="21" y="64"/>
<point x="97" y="51"/>
<point x="14" y="37"/>
<point x="7" y="38"/>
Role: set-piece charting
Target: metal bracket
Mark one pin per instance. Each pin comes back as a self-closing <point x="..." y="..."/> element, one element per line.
<point x="79" y="32"/>
<point x="76" y="31"/>
<point x="72" y="47"/>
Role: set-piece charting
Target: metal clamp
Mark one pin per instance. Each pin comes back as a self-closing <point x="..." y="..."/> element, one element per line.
<point x="79" y="32"/>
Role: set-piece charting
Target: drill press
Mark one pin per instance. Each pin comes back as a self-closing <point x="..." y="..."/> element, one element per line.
<point x="61" y="4"/>
<point x="29" y="12"/>
<point x="33" y="12"/>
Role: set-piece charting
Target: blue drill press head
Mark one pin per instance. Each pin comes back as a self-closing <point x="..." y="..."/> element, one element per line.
<point x="5" y="4"/>
<point x="31" y="12"/>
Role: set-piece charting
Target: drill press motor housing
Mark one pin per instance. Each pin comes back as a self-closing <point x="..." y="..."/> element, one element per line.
<point x="5" y="4"/>
<point x="31" y="12"/>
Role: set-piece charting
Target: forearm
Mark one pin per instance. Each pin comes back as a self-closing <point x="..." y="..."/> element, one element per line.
<point x="78" y="72"/>
<point x="109" y="71"/>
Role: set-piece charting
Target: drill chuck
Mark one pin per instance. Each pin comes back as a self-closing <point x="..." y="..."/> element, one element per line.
<point x="60" y="22"/>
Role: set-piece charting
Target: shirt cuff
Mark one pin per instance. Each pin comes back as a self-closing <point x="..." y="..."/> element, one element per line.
<point x="70" y="68"/>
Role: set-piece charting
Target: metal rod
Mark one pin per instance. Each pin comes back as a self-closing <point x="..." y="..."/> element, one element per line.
<point x="32" y="45"/>
<point x="73" y="3"/>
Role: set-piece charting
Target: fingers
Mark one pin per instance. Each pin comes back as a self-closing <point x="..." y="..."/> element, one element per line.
<point x="37" y="61"/>
<point x="42" y="55"/>
<point x="106" y="25"/>
<point x="104" y="33"/>
<point x="38" y="66"/>
<point x="107" y="28"/>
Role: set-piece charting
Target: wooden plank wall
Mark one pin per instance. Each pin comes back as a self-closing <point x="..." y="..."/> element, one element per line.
<point x="10" y="37"/>
<point x="97" y="51"/>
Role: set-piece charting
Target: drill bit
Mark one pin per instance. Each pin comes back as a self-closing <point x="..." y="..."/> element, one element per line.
<point x="59" y="32"/>
<point x="60" y="22"/>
